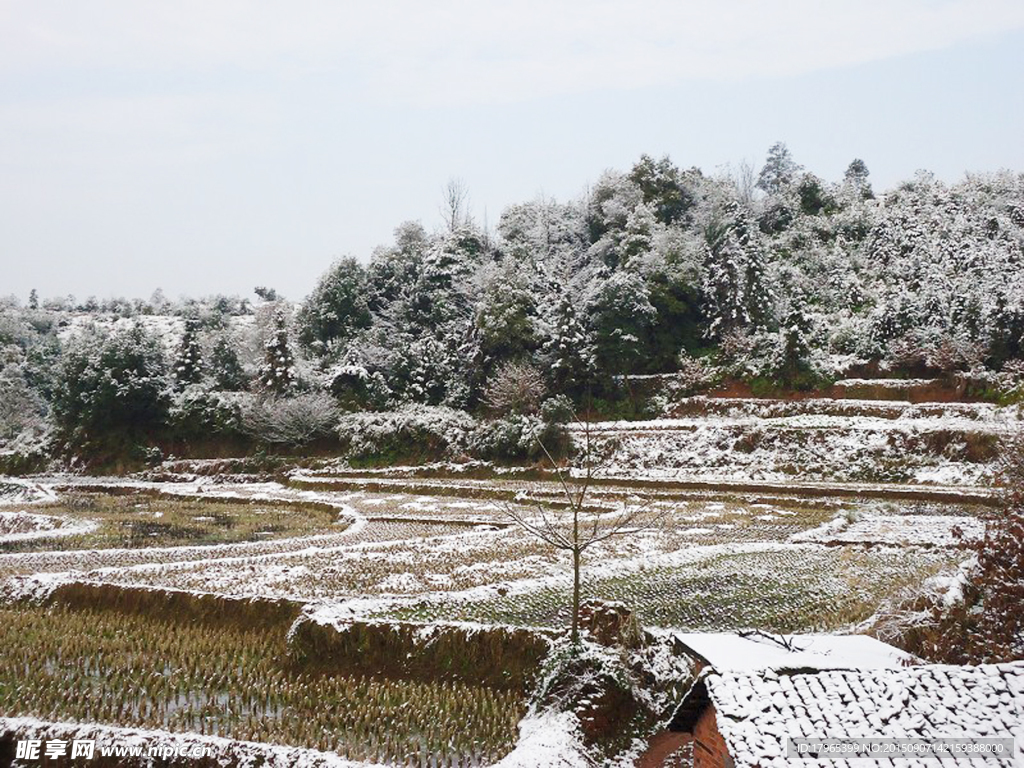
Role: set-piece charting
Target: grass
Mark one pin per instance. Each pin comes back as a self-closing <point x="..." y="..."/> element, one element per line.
<point x="130" y="670"/>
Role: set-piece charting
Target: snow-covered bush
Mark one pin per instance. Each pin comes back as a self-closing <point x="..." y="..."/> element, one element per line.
<point x="27" y="452"/>
<point x="293" y="421"/>
<point x="519" y="437"/>
<point x="197" y="413"/>
<point x="356" y="388"/>
<point x="410" y="432"/>
<point x="617" y="694"/>
<point x="695" y="375"/>
<point x="512" y="438"/>
<point x="1010" y="380"/>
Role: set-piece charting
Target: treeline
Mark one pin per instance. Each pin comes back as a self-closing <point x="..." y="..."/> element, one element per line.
<point x="778" y="278"/>
<point x="790" y="279"/>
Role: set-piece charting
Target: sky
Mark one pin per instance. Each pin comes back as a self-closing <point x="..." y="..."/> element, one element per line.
<point x="210" y="146"/>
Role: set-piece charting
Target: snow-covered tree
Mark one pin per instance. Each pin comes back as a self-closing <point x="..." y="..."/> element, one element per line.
<point x="505" y="317"/>
<point x="564" y="350"/>
<point x="277" y="374"/>
<point x="225" y="366"/>
<point x="620" y="316"/>
<point x="663" y="187"/>
<point x="779" y="171"/>
<point x="735" y="289"/>
<point x="336" y="309"/>
<point x="188" y="363"/>
<point x="856" y="179"/>
<point x="111" y="388"/>
<point x="794" y="365"/>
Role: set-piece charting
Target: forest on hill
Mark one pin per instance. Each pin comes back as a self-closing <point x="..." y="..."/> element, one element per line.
<point x="776" y="278"/>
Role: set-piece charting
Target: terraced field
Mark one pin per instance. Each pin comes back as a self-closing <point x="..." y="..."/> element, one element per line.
<point x="717" y="561"/>
<point x="783" y="533"/>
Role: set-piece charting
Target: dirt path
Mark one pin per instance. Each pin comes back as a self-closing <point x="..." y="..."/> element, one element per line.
<point x="506" y="489"/>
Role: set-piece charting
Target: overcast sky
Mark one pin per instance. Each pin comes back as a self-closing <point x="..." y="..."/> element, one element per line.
<point x="209" y="146"/>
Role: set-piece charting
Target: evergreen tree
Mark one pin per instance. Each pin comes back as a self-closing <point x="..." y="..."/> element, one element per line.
<point x="663" y="188"/>
<point x="856" y="178"/>
<point x="506" y="318"/>
<point x="779" y="171"/>
<point x="564" y="350"/>
<point x="795" y="333"/>
<point x="110" y="389"/>
<point x="620" y="318"/>
<point x="722" y="287"/>
<point x="224" y="365"/>
<point x="336" y="309"/>
<point x="188" y="364"/>
<point x="735" y="289"/>
<point x="277" y="375"/>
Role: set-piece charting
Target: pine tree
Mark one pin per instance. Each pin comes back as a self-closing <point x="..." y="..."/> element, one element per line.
<point x="722" y="286"/>
<point x="277" y="374"/>
<point x="757" y="296"/>
<point x="736" y="292"/>
<point x="795" y="365"/>
<point x="225" y="366"/>
<point x="188" y="365"/>
<point x="564" y="349"/>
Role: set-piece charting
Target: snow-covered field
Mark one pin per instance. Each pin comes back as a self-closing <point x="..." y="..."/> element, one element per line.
<point x="23" y="526"/>
<point x="898" y="492"/>
<point x="456" y="556"/>
<point x="811" y="440"/>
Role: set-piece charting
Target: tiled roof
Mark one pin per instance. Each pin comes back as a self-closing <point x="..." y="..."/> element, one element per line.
<point x="757" y="711"/>
<point x="730" y="651"/>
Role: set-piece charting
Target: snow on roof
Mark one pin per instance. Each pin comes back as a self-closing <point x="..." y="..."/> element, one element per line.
<point x="756" y="711"/>
<point x="728" y="651"/>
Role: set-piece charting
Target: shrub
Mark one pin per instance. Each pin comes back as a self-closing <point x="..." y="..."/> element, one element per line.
<point x="293" y="421"/>
<point x="28" y="452"/>
<point x="516" y="387"/>
<point x="356" y="388"/>
<point x="418" y="432"/>
<point x="695" y="375"/>
<point x="519" y="438"/>
<point x="198" y="412"/>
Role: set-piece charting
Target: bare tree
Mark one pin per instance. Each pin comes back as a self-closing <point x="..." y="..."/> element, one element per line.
<point x="516" y="387"/>
<point x="574" y="527"/>
<point x="454" y="201"/>
<point x="746" y="181"/>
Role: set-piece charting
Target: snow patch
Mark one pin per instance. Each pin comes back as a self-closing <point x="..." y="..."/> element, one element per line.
<point x="550" y="740"/>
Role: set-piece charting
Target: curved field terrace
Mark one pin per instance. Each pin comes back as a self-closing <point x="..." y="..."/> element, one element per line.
<point x="783" y="528"/>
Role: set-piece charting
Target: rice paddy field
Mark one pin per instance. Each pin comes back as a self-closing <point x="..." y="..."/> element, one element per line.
<point x="147" y="672"/>
<point x="401" y="547"/>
